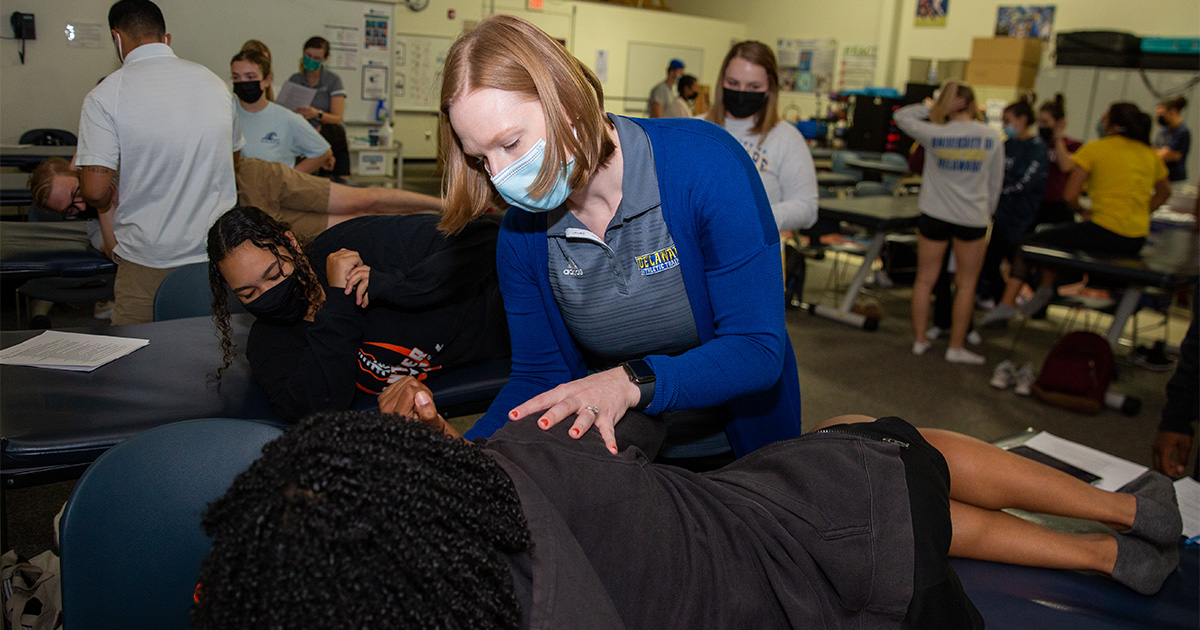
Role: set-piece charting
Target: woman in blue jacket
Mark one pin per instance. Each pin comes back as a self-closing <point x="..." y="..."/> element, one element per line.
<point x="639" y="260"/>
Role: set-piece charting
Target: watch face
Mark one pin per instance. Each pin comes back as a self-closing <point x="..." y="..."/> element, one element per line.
<point x="639" y="371"/>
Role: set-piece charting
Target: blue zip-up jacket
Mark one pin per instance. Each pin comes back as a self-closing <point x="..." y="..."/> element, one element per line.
<point x="718" y="214"/>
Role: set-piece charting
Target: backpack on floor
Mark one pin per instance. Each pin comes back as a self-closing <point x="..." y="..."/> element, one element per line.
<point x="1076" y="373"/>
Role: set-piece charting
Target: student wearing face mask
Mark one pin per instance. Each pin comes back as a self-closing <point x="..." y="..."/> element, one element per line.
<point x="747" y="106"/>
<point x="325" y="112"/>
<point x="1125" y="181"/>
<point x="368" y="302"/>
<point x="172" y="127"/>
<point x="1174" y="139"/>
<point x="1024" y="183"/>
<point x="681" y="105"/>
<point x="1052" y="128"/>
<point x="272" y="133"/>
<point x="639" y="259"/>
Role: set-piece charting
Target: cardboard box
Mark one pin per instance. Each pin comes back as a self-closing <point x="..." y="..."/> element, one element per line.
<point x="951" y="69"/>
<point x="918" y="70"/>
<point x="1010" y="50"/>
<point x="1016" y="75"/>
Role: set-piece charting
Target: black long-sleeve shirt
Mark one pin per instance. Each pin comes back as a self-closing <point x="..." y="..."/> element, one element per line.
<point x="434" y="304"/>
<point x="1183" y="390"/>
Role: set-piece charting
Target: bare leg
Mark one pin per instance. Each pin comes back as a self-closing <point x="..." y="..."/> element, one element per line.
<point x="969" y="259"/>
<point x="989" y="477"/>
<point x="995" y="536"/>
<point x="929" y="265"/>
<point x="356" y="201"/>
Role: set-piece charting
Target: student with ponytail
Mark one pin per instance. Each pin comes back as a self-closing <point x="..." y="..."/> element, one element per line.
<point x="273" y="133"/>
<point x="1125" y="179"/>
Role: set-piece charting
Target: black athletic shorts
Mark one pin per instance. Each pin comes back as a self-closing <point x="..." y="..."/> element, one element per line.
<point x="939" y="230"/>
<point x="938" y="599"/>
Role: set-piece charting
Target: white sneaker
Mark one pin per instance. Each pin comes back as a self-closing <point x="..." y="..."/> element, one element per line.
<point x="964" y="356"/>
<point x="933" y="333"/>
<point x="1003" y="376"/>
<point x="974" y="338"/>
<point x="919" y="347"/>
<point x="985" y="304"/>
<point x="1023" y="380"/>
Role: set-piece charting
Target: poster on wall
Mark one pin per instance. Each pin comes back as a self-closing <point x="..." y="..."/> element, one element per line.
<point x="344" y="44"/>
<point x="806" y="65"/>
<point x="857" y="67"/>
<point x="375" y="36"/>
<point x="932" y="12"/>
<point x="1025" y="21"/>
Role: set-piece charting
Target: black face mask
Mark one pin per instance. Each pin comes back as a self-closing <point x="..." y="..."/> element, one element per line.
<point x="88" y="212"/>
<point x="743" y="104"/>
<point x="1047" y="134"/>
<point x="248" y="91"/>
<point x="1162" y="120"/>
<point x="283" y="303"/>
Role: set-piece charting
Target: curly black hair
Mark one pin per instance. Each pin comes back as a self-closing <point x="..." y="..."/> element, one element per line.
<point x="247" y="223"/>
<point x="361" y="519"/>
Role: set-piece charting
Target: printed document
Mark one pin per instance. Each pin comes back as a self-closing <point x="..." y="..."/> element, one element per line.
<point x="76" y="352"/>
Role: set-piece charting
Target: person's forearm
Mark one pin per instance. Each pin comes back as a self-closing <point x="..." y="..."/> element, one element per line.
<point x="310" y="165"/>
<point x="96" y="185"/>
<point x="106" y="231"/>
<point x="1162" y="192"/>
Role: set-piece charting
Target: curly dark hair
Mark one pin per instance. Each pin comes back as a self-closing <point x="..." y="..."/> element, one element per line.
<point x="361" y="519"/>
<point x="247" y="223"/>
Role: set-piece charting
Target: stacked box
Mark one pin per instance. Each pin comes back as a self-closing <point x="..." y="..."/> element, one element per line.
<point x="1004" y="61"/>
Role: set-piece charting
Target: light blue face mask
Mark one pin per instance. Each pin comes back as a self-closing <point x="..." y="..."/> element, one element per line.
<point x="1010" y="132"/>
<point x="514" y="181"/>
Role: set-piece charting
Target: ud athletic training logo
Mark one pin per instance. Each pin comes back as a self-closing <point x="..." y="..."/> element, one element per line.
<point x="659" y="261"/>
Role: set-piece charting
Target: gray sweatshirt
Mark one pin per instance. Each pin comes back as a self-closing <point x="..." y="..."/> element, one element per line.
<point x="786" y="168"/>
<point x="964" y="167"/>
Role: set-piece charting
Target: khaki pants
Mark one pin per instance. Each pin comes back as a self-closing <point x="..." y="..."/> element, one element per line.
<point x="134" y="292"/>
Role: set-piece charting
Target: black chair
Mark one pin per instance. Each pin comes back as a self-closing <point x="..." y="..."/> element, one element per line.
<point x="131" y="538"/>
<point x="49" y="138"/>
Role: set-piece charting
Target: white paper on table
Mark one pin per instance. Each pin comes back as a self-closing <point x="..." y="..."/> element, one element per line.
<point x="1113" y="471"/>
<point x="75" y="352"/>
<point x="293" y="95"/>
<point x="1187" y="491"/>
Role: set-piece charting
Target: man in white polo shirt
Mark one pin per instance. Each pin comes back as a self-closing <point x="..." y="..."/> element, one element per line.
<point x="171" y="129"/>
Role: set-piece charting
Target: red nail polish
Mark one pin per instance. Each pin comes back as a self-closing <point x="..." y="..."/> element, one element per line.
<point x="512" y="414"/>
<point x="574" y="432"/>
<point x="544" y="423"/>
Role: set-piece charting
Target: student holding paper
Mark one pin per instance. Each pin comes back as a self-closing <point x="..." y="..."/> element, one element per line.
<point x="328" y="103"/>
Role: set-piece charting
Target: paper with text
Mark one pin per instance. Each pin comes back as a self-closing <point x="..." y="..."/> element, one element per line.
<point x="76" y="352"/>
<point x="293" y="95"/>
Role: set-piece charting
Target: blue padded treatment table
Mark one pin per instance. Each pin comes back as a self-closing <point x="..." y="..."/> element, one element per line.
<point x="53" y="423"/>
<point x="72" y="264"/>
<point x="1170" y="260"/>
<point x="1022" y="598"/>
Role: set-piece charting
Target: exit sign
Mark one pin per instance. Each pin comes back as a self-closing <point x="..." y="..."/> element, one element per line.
<point x="534" y="4"/>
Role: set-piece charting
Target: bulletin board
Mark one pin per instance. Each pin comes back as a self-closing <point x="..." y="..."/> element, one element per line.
<point x="417" y="62"/>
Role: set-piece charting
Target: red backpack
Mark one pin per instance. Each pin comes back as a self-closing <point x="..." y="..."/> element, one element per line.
<point x="1076" y="373"/>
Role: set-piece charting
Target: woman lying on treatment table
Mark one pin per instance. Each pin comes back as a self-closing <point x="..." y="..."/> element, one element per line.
<point x="370" y="300"/>
<point x="352" y="520"/>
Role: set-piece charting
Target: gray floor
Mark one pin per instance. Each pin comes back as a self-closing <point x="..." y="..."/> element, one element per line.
<point x="845" y="370"/>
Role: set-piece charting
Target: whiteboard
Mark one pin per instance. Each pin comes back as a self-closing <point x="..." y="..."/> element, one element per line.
<point x="646" y="66"/>
<point x="417" y="62"/>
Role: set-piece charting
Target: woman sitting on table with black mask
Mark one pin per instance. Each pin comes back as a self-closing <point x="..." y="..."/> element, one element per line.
<point x="393" y="298"/>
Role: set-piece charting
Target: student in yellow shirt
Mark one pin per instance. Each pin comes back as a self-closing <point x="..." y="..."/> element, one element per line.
<point x="1125" y="179"/>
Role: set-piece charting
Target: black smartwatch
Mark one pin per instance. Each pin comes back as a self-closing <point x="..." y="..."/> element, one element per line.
<point x="641" y="375"/>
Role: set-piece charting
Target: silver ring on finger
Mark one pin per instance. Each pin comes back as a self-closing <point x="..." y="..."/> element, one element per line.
<point x="595" y="410"/>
